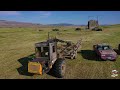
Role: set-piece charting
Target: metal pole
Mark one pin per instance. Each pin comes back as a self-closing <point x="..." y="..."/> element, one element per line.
<point x="89" y="17"/>
<point x="98" y="17"/>
<point x="97" y="20"/>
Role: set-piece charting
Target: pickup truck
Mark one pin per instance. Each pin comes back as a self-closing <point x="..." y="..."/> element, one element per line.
<point x="105" y="52"/>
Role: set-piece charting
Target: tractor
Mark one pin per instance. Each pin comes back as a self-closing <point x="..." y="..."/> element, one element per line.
<point x="47" y="57"/>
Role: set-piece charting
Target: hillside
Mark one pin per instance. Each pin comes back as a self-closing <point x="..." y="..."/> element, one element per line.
<point x="61" y="24"/>
<point x="5" y="23"/>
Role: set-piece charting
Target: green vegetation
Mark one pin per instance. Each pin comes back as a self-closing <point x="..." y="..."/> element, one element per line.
<point x="17" y="47"/>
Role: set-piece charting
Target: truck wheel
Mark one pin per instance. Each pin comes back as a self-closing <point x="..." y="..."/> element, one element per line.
<point x="59" y="68"/>
<point x="113" y="60"/>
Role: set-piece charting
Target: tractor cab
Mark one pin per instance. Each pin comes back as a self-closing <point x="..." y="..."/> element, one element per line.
<point x="46" y="50"/>
<point x="42" y="50"/>
<point x="45" y="56"/>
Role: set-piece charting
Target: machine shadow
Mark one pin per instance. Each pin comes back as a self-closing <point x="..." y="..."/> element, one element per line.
<point x="51" y="73"/>
<point x="24" y="62"/>
<point x="88" y="54"/>
<point x="23" y="70"/>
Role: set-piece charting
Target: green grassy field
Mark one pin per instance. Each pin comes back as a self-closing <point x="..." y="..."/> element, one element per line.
<point x="17" y="44"/>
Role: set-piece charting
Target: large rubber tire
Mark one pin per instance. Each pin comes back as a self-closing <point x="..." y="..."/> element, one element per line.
<point x="59" y="68"/>
<point x="75" y="56"/>
<point x="113" y="60"/>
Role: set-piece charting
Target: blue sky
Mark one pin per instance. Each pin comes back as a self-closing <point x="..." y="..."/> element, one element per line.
<point x="53" y="17"/>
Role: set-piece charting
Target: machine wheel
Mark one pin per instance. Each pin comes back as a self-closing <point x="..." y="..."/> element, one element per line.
<point x="72" y="57"/>
<point x="75" y="56"/>
<point x="59" y="68"/>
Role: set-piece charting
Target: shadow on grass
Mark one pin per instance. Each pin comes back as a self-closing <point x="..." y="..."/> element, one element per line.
<point x="51" y="73"/>
<point x="23" y="69"/>
<point x="88" y="54"/>
<point x="117" y="51"/>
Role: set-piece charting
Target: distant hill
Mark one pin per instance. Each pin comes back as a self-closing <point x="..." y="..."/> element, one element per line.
<point x="62" y="24"/>
<point x="5" y="23"/>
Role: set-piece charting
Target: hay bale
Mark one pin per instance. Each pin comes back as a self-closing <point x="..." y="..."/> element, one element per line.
<point x="97" y="29"/>
<point x="55" y="29"/>
<point x="77" y="29"/>
<point x="40" y="30"/>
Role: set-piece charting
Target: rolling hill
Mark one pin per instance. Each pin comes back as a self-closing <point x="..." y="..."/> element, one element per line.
<point x="5" y="23"/>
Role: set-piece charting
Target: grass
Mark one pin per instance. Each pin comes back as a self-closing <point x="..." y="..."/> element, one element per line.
<point x="17" y="46"/>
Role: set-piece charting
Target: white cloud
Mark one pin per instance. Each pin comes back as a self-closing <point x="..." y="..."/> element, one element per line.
<point x="9" y="13"/>
<point x="44" y="13"/>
